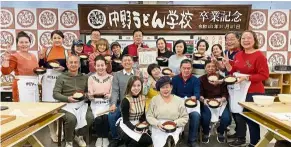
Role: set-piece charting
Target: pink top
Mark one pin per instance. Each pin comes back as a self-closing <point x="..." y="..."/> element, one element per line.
<point x="99" y="84"/>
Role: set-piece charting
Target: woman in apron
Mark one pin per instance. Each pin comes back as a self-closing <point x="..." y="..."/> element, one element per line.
<point x="102" y="49"/>
<point x="150" y="90"/>
<point x="180" y="50"/>
<point x="78" y="49"/>
<point x="132" y="113"/>
<point x="99" y="90"/>
<point x="163" y="52"/>
<point x="253" y="69"/>
<point x="199" y="63"/>
<point x="217" y="56"/>
<point x="210" y="90"/>
<point x="25" y="85"/>
<point x="166" y="107"/>
<point x="56" y="53"/>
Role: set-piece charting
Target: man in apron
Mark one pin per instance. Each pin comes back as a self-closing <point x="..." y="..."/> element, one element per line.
<point x="78" y="116"/>
<point x="187" y="85"/>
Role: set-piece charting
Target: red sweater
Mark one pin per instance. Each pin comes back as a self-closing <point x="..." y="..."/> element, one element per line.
<point x="256" y="66"/>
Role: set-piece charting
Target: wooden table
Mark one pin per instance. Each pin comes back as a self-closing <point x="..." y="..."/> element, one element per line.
<point x="278" y="129"/>
<point x="30" y="118"/>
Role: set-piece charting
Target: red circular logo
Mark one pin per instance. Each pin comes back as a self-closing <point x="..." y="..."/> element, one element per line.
<point x="278" y="19"/>
<point x="69" y="38"/>
<point x="6" y="38"/>
<point x="277" y="59"/>
<point x="6" y="18"/>
<point x="69" y="19"/>
<point x="25" y="18"/>
<point x="45" y="39"/>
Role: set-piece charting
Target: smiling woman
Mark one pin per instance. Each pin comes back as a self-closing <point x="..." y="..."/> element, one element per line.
<point x="22" y="63"/>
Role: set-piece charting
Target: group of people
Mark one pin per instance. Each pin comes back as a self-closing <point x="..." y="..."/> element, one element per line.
<point x="118" y="96"/>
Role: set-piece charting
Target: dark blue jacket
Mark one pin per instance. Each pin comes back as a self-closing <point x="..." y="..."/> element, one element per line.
<point x="189" y="88"/>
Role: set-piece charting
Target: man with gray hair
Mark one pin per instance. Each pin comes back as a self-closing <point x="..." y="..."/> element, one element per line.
<point x="78" y="116"/>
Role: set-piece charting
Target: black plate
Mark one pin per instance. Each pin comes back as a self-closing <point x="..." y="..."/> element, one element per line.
<point x="135" y="58"/>
<point x="190" y="106"/>
<point x="160" y="59"/>
<point x="163" y="71"/>
<point x="39" y="72"/>
<point x="169" y="130"/>
<point x="81" y="98"/>
<point x="141" y="129"/>
<point x="211" y="106"/>
<point x="54" y="62"/>
<point x="219" y="58"/>
<point x="99" y="96"/>
<point x="230" y="83"/>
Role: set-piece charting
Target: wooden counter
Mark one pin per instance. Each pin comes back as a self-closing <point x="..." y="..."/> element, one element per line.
<point x="277" y="129"/>
<point x="30" y="117"/>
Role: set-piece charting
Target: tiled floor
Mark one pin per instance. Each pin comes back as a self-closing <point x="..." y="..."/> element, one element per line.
<point x="44" y="137"/>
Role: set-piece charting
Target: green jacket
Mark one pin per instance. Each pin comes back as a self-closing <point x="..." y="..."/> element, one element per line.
<point x="66" y="85"/>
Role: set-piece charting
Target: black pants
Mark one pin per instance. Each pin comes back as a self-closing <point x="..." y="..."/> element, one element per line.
<point x="241" y="122"/>
<point x="144" y="141"/>
<point x="101" y="126"/>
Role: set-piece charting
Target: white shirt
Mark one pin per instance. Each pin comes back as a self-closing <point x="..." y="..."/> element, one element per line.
<point x="126" y="73"/>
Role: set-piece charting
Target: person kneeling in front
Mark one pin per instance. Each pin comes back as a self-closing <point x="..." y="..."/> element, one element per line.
<point x="166" y="107"/>
<point x="70" y="87"/>
<point x="132" y="113"/>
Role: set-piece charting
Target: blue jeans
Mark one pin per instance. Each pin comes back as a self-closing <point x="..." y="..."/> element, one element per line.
<point x="193" y="126"/>
<point x="112" y="119"/>
<point x="206" y="118"/>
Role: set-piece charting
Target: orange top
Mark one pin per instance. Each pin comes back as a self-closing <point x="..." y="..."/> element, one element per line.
<point x="57" y="52"/>
<point x="20" y="65"/>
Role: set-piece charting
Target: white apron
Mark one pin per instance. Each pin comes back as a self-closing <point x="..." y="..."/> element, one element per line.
<point x="131" y="133"/>
<point x="197" y="108"/>
<point x="48" y="84"/>
<point x="79" y="109"/>
<point x="238" y="93"/>
<point x="28" y="88"/>
<point x="216" y="112"/>
<point x="159" y="137"/>
<point x="99" y="105"/>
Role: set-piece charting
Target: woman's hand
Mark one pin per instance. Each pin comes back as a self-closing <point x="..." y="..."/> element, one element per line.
<point x="221" y="100"/>
<point x="205" y="101"/>
<point x="241" y="79"/>
<point x="215" y="83"/>
<point x="161" y="127"/>
<point x="107" y="95"/>
<point x="41" y="52"/>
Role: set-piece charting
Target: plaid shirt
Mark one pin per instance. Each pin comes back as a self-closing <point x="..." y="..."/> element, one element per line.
<point x="137" y="107"/>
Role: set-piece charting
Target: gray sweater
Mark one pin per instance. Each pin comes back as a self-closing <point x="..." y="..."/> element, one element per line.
<point x="119" y="84"/>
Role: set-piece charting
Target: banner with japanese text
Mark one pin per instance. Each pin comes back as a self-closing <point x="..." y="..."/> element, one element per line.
<point x="164" y="19"/>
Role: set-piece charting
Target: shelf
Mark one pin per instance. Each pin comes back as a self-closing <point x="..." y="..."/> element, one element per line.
<point x="286" y="84"/>
<point x="268" y="87"/>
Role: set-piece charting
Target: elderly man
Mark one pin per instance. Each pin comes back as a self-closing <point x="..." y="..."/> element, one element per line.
<point x="78" y="116"/>
<point x="185" y="85"/>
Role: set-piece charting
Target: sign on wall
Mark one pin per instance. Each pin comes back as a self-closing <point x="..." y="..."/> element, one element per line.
<point x="164" y="19"/>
